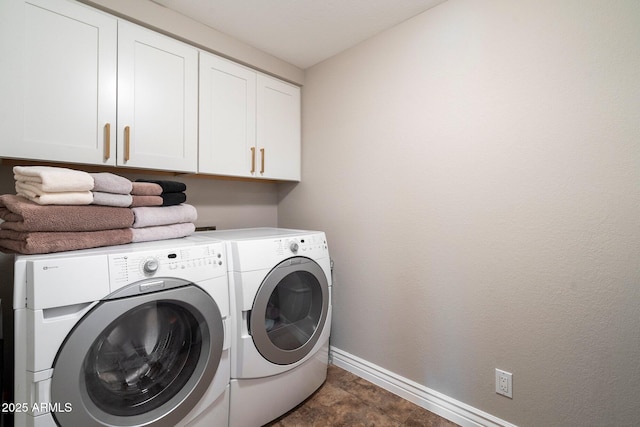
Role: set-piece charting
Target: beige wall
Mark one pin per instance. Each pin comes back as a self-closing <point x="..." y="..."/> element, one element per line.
<point x="220" y="203"/>
<point x="477" y="171"/>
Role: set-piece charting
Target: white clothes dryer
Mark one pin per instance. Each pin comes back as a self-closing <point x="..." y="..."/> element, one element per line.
<point x="131" y="335"/>
<point x="280" y="283"/>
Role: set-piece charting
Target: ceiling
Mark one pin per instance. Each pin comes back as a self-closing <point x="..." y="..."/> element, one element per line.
<point x="301" y="32"/>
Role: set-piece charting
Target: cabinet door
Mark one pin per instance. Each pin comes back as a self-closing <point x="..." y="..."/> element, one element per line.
<point x="227" y="118"/>
<point x="278" y="129"/>
<point x="57" y="81"/>
<point x="157" y="101"/>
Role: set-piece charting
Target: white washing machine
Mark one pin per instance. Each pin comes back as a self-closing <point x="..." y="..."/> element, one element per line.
<point x="280" y="283"/>
<point x="131" y="335"/>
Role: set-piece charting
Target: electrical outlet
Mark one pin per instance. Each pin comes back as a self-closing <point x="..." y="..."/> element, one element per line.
<point x="504" y="383"/>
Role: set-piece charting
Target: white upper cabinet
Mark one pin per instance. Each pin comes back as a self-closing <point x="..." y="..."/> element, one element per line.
<point x="157" y="101"/>
<point x="249" y="122"/>
<point x="78" y="85"/>
<point x="61" y="64"/>
<point x="227" y="118"/>
<point x="57" y="82"/>
<point x="278" y="129"/>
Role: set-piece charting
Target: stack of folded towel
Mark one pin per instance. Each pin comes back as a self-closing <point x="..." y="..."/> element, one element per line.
<point x="163" y="222"/>
<point x="146" y="194"/>
<point x="111" y="190"/>
<point x="172" y="192"/>
<point x="31" y="228"/>
<point x="59" y="209"/>
<point x="48" y="185"/>
<point x="160" y="211"/>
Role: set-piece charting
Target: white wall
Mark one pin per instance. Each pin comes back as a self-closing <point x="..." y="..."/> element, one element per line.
<point x="477" y="171"/>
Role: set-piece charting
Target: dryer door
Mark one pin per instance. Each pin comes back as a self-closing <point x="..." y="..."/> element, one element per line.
<point x="145" y="359"/>
<point x="290" y="310"/>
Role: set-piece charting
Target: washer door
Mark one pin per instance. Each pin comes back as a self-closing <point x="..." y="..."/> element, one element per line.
<point x="290" y="310"/>
<point x="140" y="360"/>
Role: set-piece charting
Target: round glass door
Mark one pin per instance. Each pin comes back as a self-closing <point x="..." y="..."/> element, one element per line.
<point x="141" y="360"/>
<point x="290" y="310"/>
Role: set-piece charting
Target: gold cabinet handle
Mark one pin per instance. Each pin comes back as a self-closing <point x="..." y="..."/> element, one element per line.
<point x="253" y="159"/>
<point x="127" y="143"/>
<point x="107" y="141"/>
<point x="262" y="161"/>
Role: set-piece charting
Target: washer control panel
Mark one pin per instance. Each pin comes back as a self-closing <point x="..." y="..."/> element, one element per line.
<point x="193" y="263"/>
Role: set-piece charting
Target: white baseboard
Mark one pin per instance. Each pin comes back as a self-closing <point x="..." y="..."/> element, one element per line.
<point x="444" y="406"/>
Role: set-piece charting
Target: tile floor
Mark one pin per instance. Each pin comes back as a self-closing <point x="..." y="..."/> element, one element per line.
<point x="347" y="400"/>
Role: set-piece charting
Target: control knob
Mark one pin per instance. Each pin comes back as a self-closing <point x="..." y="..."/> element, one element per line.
<point x="150" y="266"/>
<point x="294" y="247"/>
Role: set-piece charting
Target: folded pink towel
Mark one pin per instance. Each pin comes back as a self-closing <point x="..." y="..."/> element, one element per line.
<point x="146" y="189"/>
<point x="111" y="183"/>
<point x="162" y="232"/>
<point x="163" y="215"/>
<point x="21" y="214"/>
<point x="32" y="192"/>
<point x="54" y="180"/>
<point x="47" y="242"/>
<point x="167" y="186"/>
<point x="146" y="201"/>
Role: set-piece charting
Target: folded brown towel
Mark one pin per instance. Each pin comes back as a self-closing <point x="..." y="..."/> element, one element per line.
<point x="47" y="242"/>
<point x="167" y="186"/>
<point x="145" y="189"/>
<point x="21" y="214"/>
<point x="146" y="201"/>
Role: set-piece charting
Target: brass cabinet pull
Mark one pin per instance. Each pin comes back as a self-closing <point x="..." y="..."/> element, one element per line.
<point x="107" y="141"/>
<point x="262" y="162"/>
<point x="127" y="141"/>
<point x="253" y="159"/>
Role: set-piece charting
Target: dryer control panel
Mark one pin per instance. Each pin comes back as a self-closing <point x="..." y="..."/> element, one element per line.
<point x="257" y="254"/>
<point x="193" y="263"/>
<point x="313" y="245"/>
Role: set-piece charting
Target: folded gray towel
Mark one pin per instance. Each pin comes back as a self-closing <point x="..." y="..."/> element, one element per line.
<point x="162" y="232"/>
<point x="110" y="199"/>
<point x="163" y="215"/>
<point x="111" y="183"/>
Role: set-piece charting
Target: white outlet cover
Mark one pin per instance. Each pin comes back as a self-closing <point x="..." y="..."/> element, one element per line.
<point x="504" y="383"/>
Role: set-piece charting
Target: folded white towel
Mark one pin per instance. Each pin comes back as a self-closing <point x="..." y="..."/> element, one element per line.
<point x="35" y="194"/>
<point x="150" y="216"/>
<point x="54" y="180"/>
